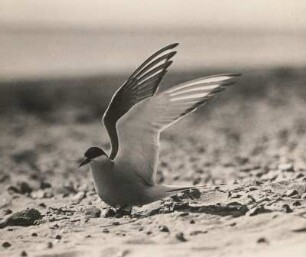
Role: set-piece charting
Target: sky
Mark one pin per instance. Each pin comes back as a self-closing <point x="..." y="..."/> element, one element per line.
<point x="135" y="14"/>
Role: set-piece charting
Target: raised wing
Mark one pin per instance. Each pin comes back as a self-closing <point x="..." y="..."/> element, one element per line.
<point x="139" y="129"/>
<point x="141" y="84"/>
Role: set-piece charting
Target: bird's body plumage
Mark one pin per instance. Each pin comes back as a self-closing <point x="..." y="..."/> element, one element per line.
<point x="136" y="116"/>
<point x="117" y="186"/>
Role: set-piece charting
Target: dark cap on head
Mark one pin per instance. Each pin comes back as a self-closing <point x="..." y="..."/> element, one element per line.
<point x="92" y="153"/>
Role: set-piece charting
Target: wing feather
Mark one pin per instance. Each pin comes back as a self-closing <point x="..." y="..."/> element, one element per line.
<point x="142" y="84"/>
<point x="139" y="129"/>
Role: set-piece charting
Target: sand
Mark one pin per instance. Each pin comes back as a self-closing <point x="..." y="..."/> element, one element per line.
<point x="255" y="145"/>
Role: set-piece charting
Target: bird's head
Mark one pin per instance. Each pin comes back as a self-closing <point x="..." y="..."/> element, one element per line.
<point x="92" y="153"/>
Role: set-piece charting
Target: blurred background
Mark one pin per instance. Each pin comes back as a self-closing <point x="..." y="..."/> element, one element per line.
<point x="75" y="53"/>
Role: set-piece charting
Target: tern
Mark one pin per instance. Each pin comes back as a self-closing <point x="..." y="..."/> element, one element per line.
<point x="134" y="119"/>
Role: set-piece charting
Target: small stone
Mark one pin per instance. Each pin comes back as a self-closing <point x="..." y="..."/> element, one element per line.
<point x="42" y="205"/>
<point x="297" y="203"/>
<point x="58" y="237"/>
<point x="197" y="232"/>
<point x="163" y="228"/>
<point x="262" y="240"/>
<point x="49" y="245"/>
<point x="6" y="244"/>
<point x="12" y="189"/>
<point x="192" y="222"/>
<point x="180" y="236"/>
<point x="292" y="192"/>
<point x="106" y="231"/>
<point x="287" y="208"/>
<point x="34" y="234"/>
<point x="39" y="194"/>
<point x="286" y="167"/>
<point x="23" y="254"/>
<point x="180" y="206"/>
<point x="25" y="217"/>
<point x="196" y="181"/>
<point x="259" y="210"/>
<point x="183" y="214"/>
<point x="7" y="211"/>
<point x="299" y="175"/>
<point x="24" y="188"/>
<point x="44" y="185"/>
<point x="116" y="223"/>
<point x="78" y="197"/>
<point x="92" y="212"/>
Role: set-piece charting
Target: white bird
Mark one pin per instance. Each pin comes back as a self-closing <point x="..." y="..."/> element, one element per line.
<point x="134" y="120"/>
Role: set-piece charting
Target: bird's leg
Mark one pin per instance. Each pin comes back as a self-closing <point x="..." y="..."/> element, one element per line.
<point x="124" y="210"/>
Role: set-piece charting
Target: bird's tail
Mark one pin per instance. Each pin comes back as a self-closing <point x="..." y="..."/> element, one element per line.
<point x="167" y="190"/>
<point x="161" y="191"/>
<point x="182" y="188"/>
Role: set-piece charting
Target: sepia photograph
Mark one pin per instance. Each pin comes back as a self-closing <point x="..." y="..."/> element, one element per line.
<point x="152" y="128"/>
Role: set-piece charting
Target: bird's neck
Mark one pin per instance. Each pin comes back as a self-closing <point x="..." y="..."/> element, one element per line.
<point x="102" y="169"/>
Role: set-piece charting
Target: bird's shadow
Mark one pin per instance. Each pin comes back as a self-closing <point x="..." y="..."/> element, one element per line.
<point x="184" y="203"/>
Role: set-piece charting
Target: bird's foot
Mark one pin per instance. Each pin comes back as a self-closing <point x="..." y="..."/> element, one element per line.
<point x="123" y="211"/>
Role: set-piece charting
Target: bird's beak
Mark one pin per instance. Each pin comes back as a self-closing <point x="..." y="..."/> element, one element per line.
<point x="84" y="162"/>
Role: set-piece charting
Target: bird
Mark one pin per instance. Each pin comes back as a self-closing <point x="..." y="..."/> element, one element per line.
<point x="136" y="115"/>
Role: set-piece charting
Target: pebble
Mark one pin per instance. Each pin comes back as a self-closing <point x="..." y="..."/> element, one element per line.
<point x="297" y="203"/>
<point x="39" y="194"/>
<point x="163" y="228"/>
<point x="299" y="175"/>
<point x="12" y="189"/>
<point x="34" y="234"/>
<point x="49" y="245"/>
<point x="180" y="236"/>
<point x="183" y="214"/>
<point x="292" y="192"/>
<point x="197" y="232"/>
<point x="7" y="211"/>
<point x="262" y="240"/>
<point x="259" y="210"/>
<point x="287" y="208"/>
<point x="6" y="244"/>
<point x="44" y="185"/>
<point x="42" y="205"/>
<point x="25" y="217"/>
<point x="58" y="237"/>
<point x="23" y="254"/>
<point x="24" y="188"/>
<point x="78" y="197"/>
<point x="106" y="231"/>
<point x="92" y="212"/>
<point x="196" y="181"/>
<point x="286" y="167"/>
